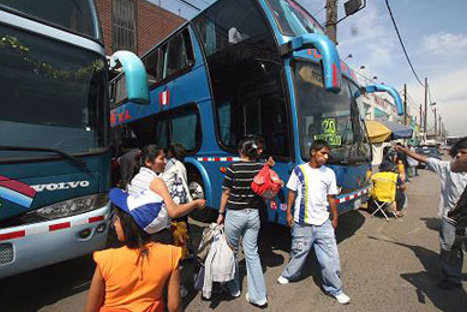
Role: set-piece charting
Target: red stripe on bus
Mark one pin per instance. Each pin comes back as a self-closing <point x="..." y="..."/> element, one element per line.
<point x="334" y="76"/>
<point x="12" y="235"/>
<point x="59" y="226"/>
<point x="96" y="219"/>
<point x="217" y="159"/>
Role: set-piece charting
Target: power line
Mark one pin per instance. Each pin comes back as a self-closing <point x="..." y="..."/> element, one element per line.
<point x="188" y="4"/>
<point x="402" y="44"/>
<point x="319" y="11"/>
<point x="362" y="75"/>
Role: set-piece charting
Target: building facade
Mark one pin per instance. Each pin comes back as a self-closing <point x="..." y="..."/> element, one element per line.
<point x="134" y="25"/>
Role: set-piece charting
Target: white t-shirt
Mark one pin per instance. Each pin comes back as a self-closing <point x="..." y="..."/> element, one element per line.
<point x="312" y="187"/>
<point x="452" y="185"/>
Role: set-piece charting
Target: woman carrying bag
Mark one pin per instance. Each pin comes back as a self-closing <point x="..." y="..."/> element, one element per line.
<point x="239" y="213"/>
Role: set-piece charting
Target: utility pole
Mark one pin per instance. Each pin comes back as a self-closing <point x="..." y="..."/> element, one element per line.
<point x="405" y="104"/>
<point x="436" y="124"/>
<point x="426" y="106"/>
<point x="420" y="121"/>
<point x="331" y="19"/>
<point x="440" y="127"/>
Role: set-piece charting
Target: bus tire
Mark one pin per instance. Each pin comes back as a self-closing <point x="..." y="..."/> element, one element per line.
<point x="196" y="186"/>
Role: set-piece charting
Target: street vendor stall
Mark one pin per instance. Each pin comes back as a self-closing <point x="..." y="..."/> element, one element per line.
<point x="380" y="132"/>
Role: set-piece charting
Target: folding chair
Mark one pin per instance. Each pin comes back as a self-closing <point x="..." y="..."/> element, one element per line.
<point x="383" y="191"/>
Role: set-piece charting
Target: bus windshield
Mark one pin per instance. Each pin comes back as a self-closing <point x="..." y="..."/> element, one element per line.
<point x="292" y="19"/>
<point x="73" y="15"/>
<point x="328" y="116"/>
<point x="53" y="90"/>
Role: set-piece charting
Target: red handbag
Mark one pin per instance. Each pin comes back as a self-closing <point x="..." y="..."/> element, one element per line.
<point x="266" y="183"/>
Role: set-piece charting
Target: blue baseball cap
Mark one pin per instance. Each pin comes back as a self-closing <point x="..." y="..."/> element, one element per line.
<point x="146" y="208"/>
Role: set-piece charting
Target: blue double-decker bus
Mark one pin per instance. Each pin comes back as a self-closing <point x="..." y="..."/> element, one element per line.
<point x="243" y="67"/>
<point x="54" y="131"/>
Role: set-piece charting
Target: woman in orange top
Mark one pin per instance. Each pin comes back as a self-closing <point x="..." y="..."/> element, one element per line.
<point x="132" y="278"/>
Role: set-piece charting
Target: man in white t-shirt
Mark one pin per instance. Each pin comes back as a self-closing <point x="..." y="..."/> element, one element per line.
<point x="452" y="186"/>
<point x="312" y="189"/>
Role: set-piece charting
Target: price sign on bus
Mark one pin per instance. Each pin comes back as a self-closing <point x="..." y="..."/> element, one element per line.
<point x="329" y="132"/>
<point x="329" y="126"/>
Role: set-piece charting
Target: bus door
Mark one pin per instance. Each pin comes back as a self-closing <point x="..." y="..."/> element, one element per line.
<point x="264" y="114"/>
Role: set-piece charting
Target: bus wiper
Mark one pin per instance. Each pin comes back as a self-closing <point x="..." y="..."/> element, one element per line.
<point x="75" y="160"/>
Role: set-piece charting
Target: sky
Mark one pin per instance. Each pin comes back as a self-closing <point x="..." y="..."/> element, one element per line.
<point x="434" y="33"/>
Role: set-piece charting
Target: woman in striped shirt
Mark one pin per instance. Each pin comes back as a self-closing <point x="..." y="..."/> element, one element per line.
<point x="242" y="219"/>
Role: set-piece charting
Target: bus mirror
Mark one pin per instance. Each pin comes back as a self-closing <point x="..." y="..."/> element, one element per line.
<point x="353" y="6"/>
<point x="135" y="74"/>
<point x="329" y="57"/>
<point x="383" y="88"/>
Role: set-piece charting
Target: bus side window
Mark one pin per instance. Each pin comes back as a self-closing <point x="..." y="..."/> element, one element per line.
<point x="186" y="129"/>
<point x="245" y="69"/>
<point x="151" y="63"/>
<point x="161" y="135"/>
<point x="179" y="54"/>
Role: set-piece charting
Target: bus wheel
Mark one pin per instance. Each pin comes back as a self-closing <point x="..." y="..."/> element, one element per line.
<point x="196" y="187"/>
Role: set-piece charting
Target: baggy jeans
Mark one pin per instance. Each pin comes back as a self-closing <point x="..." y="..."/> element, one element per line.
<point x="451" y="265"/>
<point x="246" y="223"/>
<point x="323" y="239"/>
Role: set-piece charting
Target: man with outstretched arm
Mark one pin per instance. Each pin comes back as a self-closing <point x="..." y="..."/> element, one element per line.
<point x="312" y="189"/>
<point x="452" y="186"/>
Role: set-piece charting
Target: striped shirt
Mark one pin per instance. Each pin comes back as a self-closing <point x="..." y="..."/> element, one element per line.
<point x="141" y="181"/>
<point x="238" y="178"/>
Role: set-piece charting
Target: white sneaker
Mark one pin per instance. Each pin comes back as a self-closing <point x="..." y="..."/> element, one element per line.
<point x="260" y="303"/>
<point x="282" y="280"/>
<point x="342" y="298"/>
<point x="237" y="294"/>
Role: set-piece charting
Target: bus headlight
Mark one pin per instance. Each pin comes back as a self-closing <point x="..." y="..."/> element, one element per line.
<point x="73" y="206"/>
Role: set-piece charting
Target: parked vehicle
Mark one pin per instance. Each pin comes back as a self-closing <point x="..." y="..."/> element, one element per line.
<point x="54" y="125"/>
<point x="245" y="67"/>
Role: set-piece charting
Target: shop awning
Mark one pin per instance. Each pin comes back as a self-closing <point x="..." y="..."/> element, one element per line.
<point x="398" y="130"/>
<point x="381" y="131"/>
<point x="377" y="131"/>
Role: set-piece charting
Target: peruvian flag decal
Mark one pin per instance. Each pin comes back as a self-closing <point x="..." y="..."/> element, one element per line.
<point x="164" y="97"/>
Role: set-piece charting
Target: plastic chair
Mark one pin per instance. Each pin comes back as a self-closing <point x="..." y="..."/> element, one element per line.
<point x="383" y="191"/>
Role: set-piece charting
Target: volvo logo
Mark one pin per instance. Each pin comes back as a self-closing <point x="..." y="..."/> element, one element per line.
<point x="60" y="186"/>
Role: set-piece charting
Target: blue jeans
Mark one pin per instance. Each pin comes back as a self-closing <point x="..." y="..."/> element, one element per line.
<point x="246" y="223"/>
<point x="451" y="264"/>
<point x="323" y="239"/>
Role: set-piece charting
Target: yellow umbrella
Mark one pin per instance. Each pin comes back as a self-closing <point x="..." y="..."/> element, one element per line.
<point x="377" y="131"/>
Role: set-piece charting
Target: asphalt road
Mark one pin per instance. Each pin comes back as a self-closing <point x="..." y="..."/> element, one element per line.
<point x="386" y="266"/>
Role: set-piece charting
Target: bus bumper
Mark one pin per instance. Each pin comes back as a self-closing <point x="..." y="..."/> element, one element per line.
<point x="27" y="247"/>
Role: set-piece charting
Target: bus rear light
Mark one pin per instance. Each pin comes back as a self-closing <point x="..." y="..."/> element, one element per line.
<point x="223" y="169"/>
<point x="72" y="207"/>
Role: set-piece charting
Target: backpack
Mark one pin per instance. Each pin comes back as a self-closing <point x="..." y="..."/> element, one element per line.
<point x="266" y="183"/>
